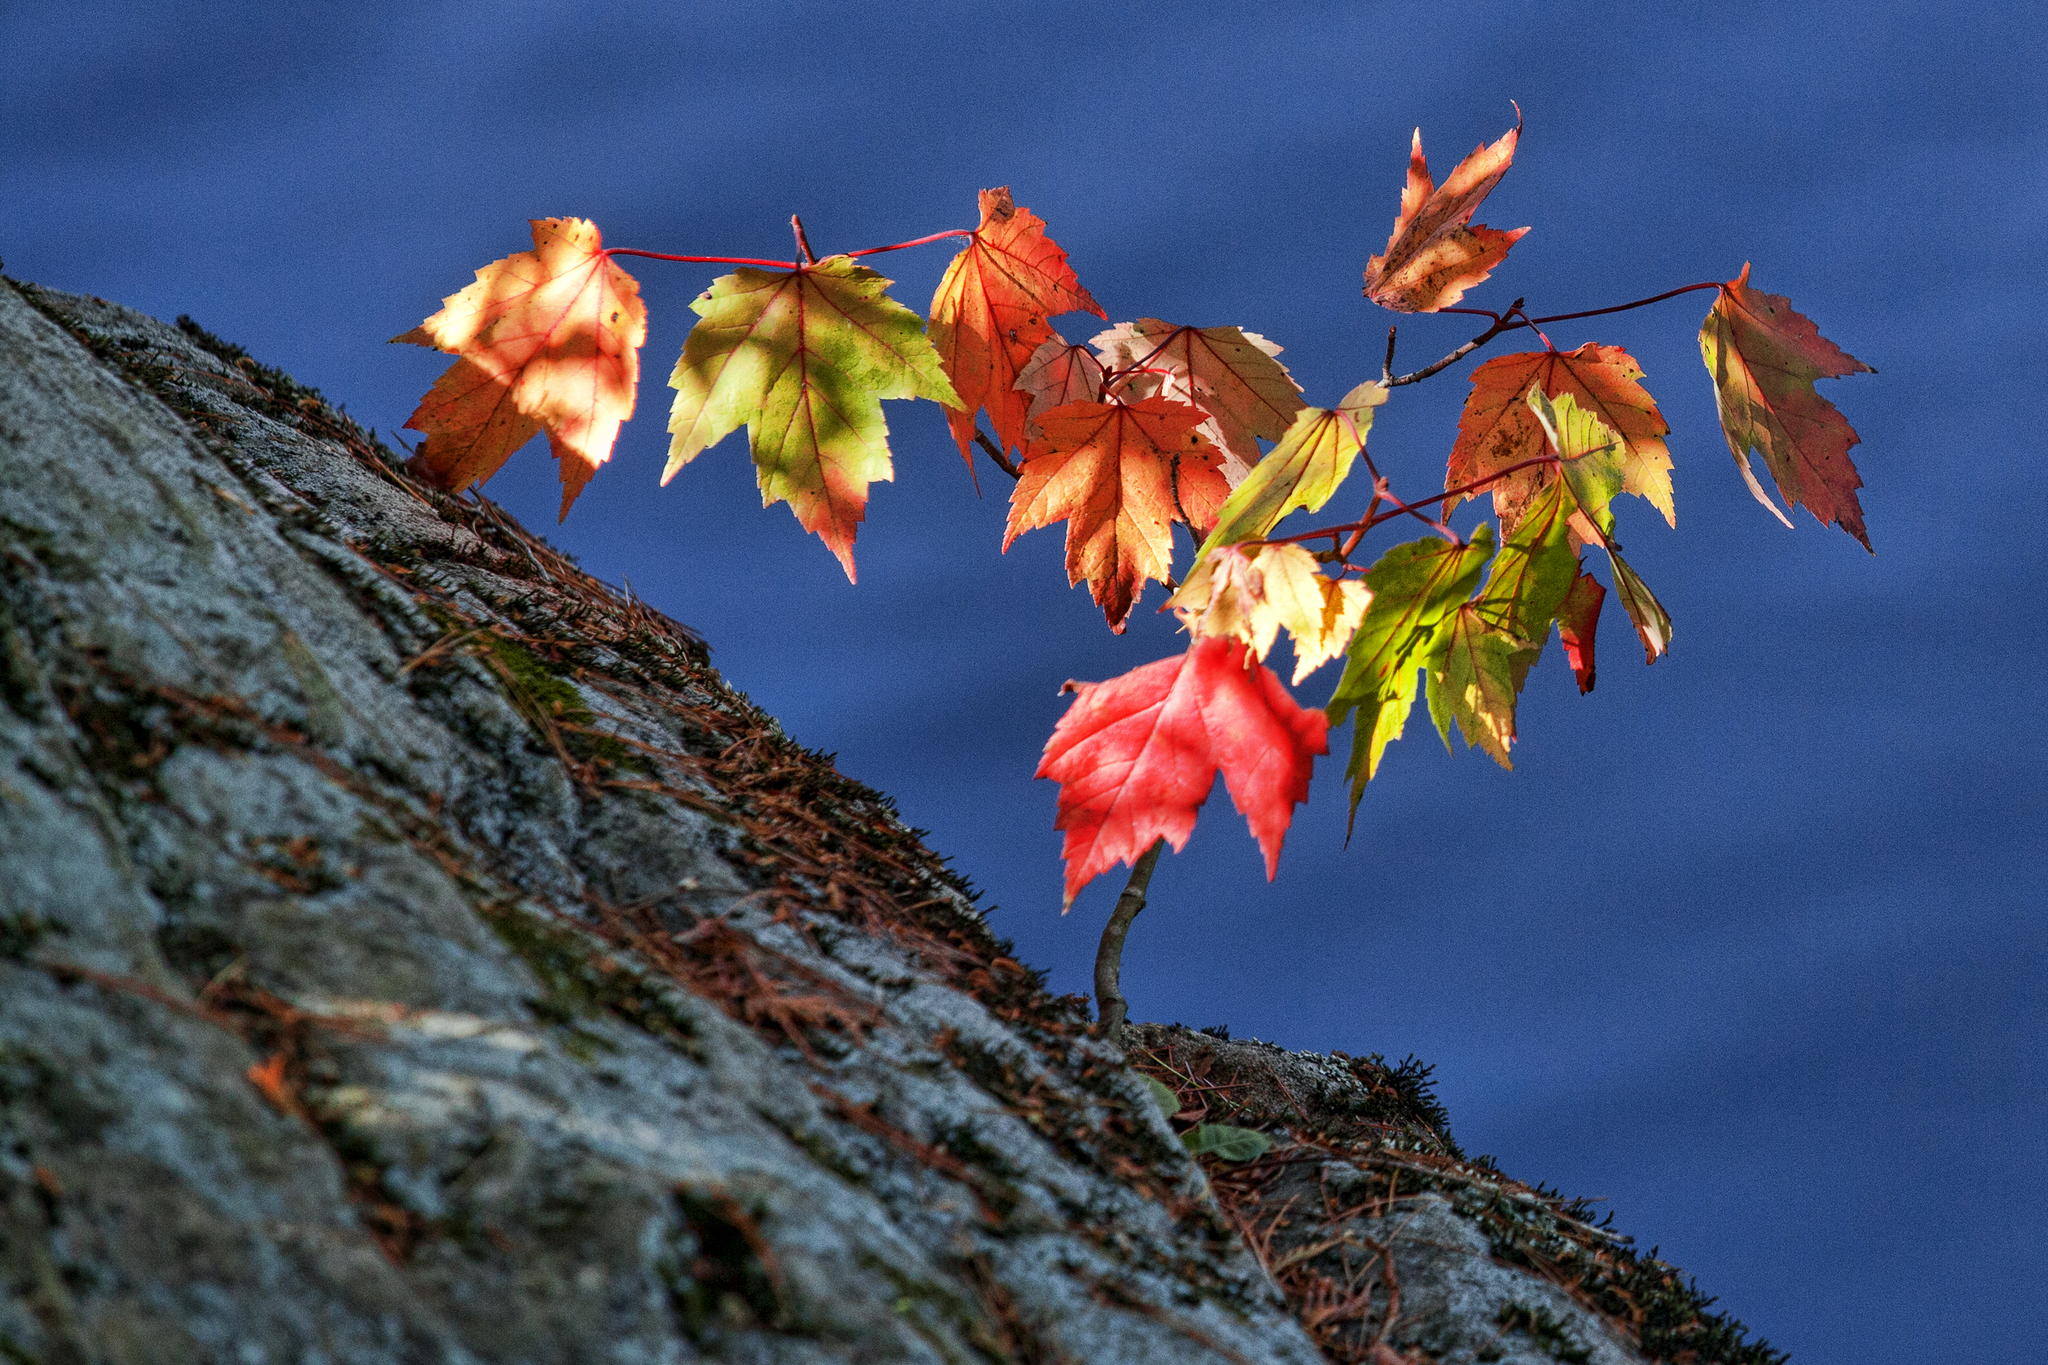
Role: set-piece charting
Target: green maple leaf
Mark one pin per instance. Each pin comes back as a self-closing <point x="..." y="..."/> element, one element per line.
<point x="1417" y="589"/>
<point x="1314" y="455"/>
<point x="1590" y="450"/>
<point x="1496" y="638"/>
<point x="1475" y="682"/>
<point x="803" y="359"/>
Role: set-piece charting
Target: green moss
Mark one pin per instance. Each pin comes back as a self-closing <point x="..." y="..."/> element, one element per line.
<point x="579" y="982"/>
<point x="542" y="695"/>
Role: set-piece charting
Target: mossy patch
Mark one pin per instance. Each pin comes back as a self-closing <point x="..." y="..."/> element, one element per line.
<point x="580" y="981"/>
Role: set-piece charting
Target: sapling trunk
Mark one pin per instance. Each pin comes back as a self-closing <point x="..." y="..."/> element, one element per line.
<point x="1110" y="1006"/>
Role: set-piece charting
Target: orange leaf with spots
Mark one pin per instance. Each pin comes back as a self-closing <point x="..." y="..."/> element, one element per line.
<point x="1497" y="430"/>
<point x="547" y="339"/>
<point x="1436" y="253"/>
<point x="1119" y="475"/>
<point x="1136" y="756"/>
<point x="991" y="313"/>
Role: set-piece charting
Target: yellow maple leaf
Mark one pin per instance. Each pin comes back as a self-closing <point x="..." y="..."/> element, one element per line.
<point x="1254" y="592"/>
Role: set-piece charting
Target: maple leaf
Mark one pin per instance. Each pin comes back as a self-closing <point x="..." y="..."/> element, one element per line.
<point x="1252" y="592"/>
<point x="1417" y="588"/>
<point x="1475" y="682"/>
<point x="1578" y="618"/>
<point x="803" y="358"/>
<point x="1136" y="756"/>
<point x="1229" y="374"/>
<point x="1057" y="374"/>
<point x="1533" y="572"/>
<point x="1645" y="612"/>
<point x="1765" y="358"/>
<point x="1497" y="431"/>
<point x="1119" y="475"/>
<point x="1435" y="253"/>
<point x="547" y="339"/>
<point x="990" y="314"/>
<point x="1587" y="452"/>
<point x="1315" y="454"/>
<point x="1496" y="638"/>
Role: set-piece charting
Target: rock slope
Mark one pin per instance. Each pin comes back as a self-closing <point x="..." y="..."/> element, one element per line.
<point x="412" y="951"/>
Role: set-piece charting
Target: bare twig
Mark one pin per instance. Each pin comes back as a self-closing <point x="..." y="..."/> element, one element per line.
<point x="1500" y="324"/>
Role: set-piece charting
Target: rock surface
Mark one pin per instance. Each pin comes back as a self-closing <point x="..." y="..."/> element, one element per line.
<point x="412" y="951"/>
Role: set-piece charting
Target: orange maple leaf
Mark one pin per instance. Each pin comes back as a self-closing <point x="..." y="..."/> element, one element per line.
<point x="1119" y="475"/>
<point x="1135" y="757"/>
<point x="1497" y="431"/>
<point x="1765" y="357"/>
<point x="547" y="339"/>
<point x="1435" y="253"/>
<point x="1229" y="374"/>
<point x="990" y="313"/>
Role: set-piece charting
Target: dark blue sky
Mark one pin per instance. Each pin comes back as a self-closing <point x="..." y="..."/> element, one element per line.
<point x="1750" y="943"/>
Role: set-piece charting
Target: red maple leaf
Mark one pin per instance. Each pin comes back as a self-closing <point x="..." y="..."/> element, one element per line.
<point x="1765" y="357"/>
<point x="1578" y="620"/>
<point x="1135" y="757"/>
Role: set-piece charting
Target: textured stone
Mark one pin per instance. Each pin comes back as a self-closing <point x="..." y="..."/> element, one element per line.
<point x="412" y="951"/>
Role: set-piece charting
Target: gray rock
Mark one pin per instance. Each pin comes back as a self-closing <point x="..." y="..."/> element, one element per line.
<point x="412" y="951"/>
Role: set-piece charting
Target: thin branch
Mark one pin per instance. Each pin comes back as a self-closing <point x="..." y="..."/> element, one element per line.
<point x="995" y="452"/>
<point x="1358" y="528"/>
<point x="1381" y="489"/>
<point x="1514" y="318"/>
<point x="1530" y="323"/>
<point x="1500" y="324"/>
<point x="1111" y="1009"/>
<point x="1387" y="367"/>
<point x="803" y="240"/>
<point x="1623" y="307"/>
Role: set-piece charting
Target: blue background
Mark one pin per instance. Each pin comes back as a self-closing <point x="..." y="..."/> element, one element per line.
<point x="1750" y="942"/>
